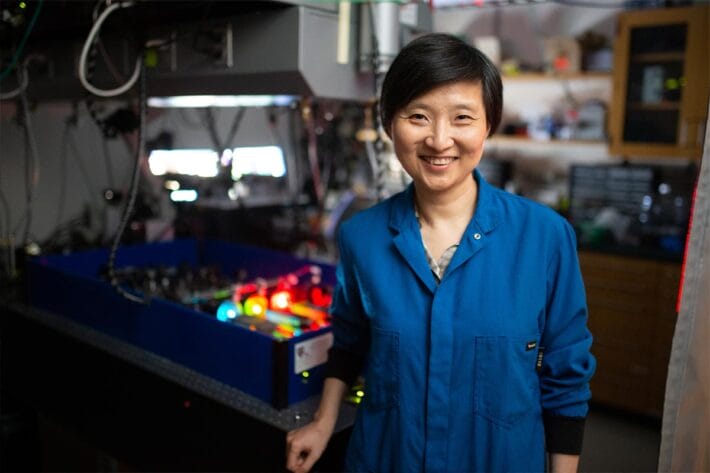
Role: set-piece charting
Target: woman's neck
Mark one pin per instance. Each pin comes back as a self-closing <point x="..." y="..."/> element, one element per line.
<point x="455" y="207"/>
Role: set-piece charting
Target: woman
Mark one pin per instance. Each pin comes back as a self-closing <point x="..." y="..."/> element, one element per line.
<point x="465" y="301"/>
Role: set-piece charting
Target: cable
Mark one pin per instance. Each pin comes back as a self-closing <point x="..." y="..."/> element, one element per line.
<point x="135" y="178"/>
<point x="21" y="46"/>
<point x="93" y="194"/>
<point x="23" y="77"/>
<point x="33" y="169"/>
<point x="85" y="52"/>
<point x="23" y="81"/>
<point x="107" y="163"/>
<point x="233" y="129"/>
<point x="378" y="146"/>
<point x="63" y="173"/>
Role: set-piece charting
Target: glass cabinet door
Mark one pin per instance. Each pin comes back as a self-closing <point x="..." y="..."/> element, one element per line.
<point x="660" y="82"/>
<point x="655" y="84"/>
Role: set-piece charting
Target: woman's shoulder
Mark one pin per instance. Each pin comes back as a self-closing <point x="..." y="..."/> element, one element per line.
<point x="377" y="214"/>
<point x="519" y="206"/>
<point x="532" y="221"/>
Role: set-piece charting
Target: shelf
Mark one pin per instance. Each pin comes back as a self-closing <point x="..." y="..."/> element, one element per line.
<point x="525" y="141"/>
<point x="658" y="57"/>
<point x="651" y="107"/>
<point x="539" y="76"/>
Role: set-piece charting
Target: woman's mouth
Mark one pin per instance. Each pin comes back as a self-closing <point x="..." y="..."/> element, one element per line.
<point x="438" y="160"/>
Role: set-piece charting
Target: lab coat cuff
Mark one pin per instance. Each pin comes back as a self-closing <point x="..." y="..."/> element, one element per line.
<point x="564" y="434"/>
<point x="344" y="365"/>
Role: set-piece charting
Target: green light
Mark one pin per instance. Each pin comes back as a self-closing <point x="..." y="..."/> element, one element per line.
<point x="305" y="374"/>
<point x="671" y="84"/>
<point x="360" y="394"/>
<point x="23" y="5"/>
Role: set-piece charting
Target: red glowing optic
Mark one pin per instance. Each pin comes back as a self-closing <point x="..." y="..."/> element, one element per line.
<point x="320" y="297"/>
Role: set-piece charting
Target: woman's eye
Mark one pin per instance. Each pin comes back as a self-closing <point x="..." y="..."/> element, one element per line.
<point x="464" y="117"/>
<point x="417" y="117"/>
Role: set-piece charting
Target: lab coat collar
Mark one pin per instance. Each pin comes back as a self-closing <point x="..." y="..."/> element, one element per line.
<point x="407" y="237"/>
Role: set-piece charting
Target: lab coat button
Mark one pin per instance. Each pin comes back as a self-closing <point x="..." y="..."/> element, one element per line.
<point x="477" y="236"/>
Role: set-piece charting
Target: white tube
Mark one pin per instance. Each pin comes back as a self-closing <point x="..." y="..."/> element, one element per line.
<point x="85" y="52"/>
<point x="343" y="55"/>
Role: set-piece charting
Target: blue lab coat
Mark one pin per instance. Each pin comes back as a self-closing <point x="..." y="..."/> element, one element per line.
<point x="453" y="379"/>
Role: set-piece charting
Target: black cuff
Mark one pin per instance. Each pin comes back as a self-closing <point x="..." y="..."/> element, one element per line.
<point x="343" y="365"/>
<point x="564" y="434"/>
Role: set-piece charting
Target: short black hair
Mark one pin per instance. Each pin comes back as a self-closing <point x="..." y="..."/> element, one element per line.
<point x="437" y="59"/>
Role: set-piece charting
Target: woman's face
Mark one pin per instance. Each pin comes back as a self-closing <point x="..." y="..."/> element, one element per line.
<point x="438" y="137"/>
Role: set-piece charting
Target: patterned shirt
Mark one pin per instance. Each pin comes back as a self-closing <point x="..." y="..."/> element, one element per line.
<point x="437" y="267"/>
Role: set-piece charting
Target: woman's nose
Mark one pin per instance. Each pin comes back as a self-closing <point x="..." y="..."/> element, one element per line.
<point x="439" y="138"/>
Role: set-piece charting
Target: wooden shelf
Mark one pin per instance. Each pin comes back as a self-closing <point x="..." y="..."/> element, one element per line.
<point x="525" y="141"/>
<point x="658" y="57"/>
<point x="541" y="76"/>
<point x="649" y="107"/>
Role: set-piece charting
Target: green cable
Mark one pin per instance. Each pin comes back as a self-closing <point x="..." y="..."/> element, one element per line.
<point x="21" y="46"/>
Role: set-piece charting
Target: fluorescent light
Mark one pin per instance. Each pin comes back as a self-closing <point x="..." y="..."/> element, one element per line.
<point x="259" y="160"/>
<point x="188" y="162"/>
<point x="183" y="195"/>
<point x="202" y="101"/>
<point x="172" y="185"/>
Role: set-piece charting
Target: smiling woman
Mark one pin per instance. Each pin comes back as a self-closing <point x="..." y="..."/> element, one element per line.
<point x="439" y="137"/>
<point x="464" y="303"/>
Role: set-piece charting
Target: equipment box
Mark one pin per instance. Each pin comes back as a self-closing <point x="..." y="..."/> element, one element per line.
<point x="277" y="371"/>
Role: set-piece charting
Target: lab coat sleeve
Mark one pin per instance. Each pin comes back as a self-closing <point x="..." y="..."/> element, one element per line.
<point x="567" y="364"/>
<point x="348" y="320"/>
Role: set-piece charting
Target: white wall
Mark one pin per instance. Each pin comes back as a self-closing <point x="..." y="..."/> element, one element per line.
<point x="48" y="120"/>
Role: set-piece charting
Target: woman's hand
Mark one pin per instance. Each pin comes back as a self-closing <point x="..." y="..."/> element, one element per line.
<point x="305" y="446"/>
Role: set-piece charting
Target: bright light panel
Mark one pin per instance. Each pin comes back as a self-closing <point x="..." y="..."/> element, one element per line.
<point x="184" y="195"/>
<point x="259" y="160"/>
<point x="188" y="162"/>
<point x="202" y="101"/>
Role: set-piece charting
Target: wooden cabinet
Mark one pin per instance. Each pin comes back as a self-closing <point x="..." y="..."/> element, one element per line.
<point x="632" y="314"/>
<point x="661" y="81"/>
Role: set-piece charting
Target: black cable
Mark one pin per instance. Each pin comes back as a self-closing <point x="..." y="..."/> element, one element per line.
<point x="107" y="162"/>
<point x="93" y="194"/>
<point x="135" y="178"/>
<point x="233" y="129"/>
<point x="212" y="129"/>
<point x="31" y="156"/>
<point x="63" y="173"/>
<point x="6" y="226"/>
<point x="28" y="191"/>
<point x="6" y="216"/>
<point x="220" y="145"/>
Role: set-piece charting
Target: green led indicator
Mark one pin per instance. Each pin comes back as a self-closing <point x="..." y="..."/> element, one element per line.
<point x="360" y="394"/>
<point x="23" y="5"/>
<point x="671" y="84"/>
<point x="305" y="374"/>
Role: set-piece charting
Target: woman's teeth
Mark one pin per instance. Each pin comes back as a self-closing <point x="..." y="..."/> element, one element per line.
<point x="438" y="161"/>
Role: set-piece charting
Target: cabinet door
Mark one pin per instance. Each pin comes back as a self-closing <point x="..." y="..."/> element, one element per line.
<point x="632" y="315"/>
<point x="660" y="82"/>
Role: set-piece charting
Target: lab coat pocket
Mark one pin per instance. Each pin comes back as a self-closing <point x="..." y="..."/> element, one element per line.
<point x="382" y="380"/>
<point x="507" y="385"/>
